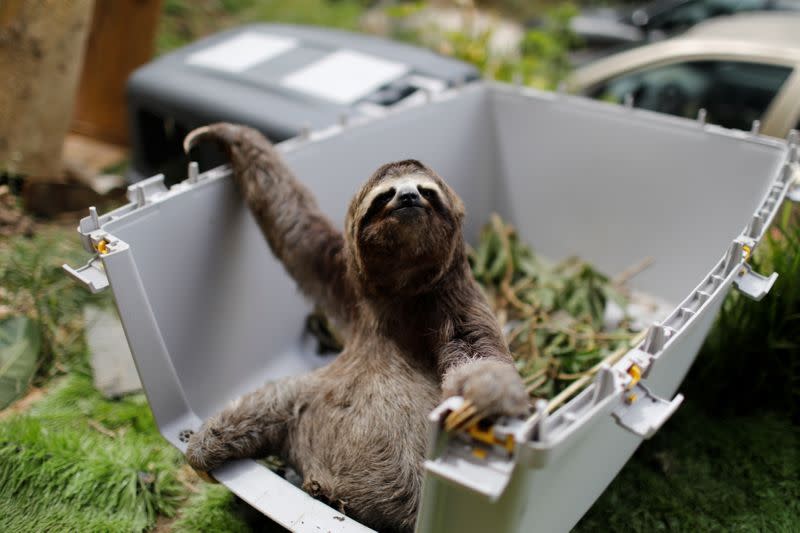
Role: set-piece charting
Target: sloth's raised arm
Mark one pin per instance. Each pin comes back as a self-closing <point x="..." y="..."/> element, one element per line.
<point x="299" y="234"/>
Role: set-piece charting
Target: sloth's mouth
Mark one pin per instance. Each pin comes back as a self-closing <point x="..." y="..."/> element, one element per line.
<point x="408" y="210"/>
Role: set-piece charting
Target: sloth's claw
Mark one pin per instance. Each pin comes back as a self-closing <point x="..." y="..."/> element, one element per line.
<point x="473" y="420"/>
<point x="489" y="388"/>
<point x="457" y="418"/>
<point x="463" y="419"/>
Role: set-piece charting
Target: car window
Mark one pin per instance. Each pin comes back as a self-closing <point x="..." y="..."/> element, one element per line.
<point x="784" y="5"/>
<point x="689" y="13"/>
<point x="732" y="93"/>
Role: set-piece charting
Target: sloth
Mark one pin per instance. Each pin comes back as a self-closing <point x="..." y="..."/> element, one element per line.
<point x="417" y="330"/>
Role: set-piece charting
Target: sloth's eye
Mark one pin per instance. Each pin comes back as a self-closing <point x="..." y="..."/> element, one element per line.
<point x="383" y="198"/>
<point x="428" y="194"/>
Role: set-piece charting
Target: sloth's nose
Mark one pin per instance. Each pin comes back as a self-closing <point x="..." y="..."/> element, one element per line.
<point x="408" y="197"/>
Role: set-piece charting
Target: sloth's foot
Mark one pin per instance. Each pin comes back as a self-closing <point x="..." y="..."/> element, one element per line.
<point x="489" y="388"/>
<point x="206" y="450"/>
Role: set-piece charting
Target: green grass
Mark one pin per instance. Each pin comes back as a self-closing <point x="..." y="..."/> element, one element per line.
<point x="213" y="509"/>
<point x="16" y="517"/>
<point x="751" y="359"/>
<point x="76" y="460"/>
<point x="33" y="284"/>
<point x="705" y="473"/>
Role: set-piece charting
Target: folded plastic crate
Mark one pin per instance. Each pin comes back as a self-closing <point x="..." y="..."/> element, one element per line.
<point x="279" y="78"/>
<point x="210" y="314"/>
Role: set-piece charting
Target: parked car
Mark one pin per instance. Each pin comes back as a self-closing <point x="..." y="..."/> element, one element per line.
<point x="605" y="27"/>
<point x="739" y="69"/>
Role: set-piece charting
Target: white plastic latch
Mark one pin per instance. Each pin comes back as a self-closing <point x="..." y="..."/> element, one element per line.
<point x="642" y="412"/>
<point x="753" y="285"/>
<point x="145" y="191"/>
<point x="488" y="477"/>
<point x="92" y="275"/>
<point x="481" y="460"/>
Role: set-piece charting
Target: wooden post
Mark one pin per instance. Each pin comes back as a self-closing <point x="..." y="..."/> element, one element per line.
<point x="41" y="50"/>
<point x="121" y="39"/>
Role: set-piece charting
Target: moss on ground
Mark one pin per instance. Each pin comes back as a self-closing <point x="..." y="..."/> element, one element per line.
<point x="76" y="461"/>
<point x="213" y="509"/>
<point x="705" y="473"/>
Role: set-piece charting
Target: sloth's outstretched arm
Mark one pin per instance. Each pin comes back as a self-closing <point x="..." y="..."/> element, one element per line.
<point x="476" y="364"/>
<point x="300" y="235"/>
<point x="255" y="425"/>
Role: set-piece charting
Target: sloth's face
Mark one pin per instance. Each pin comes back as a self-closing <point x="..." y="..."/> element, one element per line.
<point x="405" y="225"/>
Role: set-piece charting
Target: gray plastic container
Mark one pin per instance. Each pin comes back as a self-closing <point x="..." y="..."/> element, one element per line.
<point x="268" y="76"/>
<point x="210" y="314"/>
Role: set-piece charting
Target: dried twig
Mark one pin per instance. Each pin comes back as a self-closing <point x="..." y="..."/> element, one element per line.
<point x="626" y="275"/>
<point x="536" y="375"/>
<point x="536" y="384"/>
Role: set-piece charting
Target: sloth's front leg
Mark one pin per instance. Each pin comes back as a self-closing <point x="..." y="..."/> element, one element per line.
<point x="252" y="426"/>
<point x="489" y="386"/>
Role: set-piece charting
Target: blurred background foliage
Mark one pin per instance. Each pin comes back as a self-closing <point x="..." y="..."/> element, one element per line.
<point x="540" y="60"/>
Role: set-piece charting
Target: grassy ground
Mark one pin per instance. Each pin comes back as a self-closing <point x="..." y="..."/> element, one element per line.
<point x="73" y="461"/>
<point x="702" y="472"/>
<point x="77" y="461"/>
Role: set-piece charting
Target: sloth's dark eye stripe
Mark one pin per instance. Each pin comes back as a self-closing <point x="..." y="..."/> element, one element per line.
<point x="433" y="198"/>
<point x="377" y="204"/>
<point x="426" y="193"/>
<point x="383" y="198"/>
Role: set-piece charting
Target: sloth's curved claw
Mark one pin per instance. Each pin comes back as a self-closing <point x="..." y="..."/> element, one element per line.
<point x="224" y="133"/>
<point x="490" y="388"/>
<point x="456" y="419"/>
<point x="194" y="136"/>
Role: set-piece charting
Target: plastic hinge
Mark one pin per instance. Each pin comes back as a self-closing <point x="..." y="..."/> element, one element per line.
<point x="753" y="285"/>
<point x="92" y="275"/>
<point x="642" y="412"/>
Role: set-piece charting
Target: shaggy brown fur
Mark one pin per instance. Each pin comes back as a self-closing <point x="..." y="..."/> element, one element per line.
<point x="418" y="329"/>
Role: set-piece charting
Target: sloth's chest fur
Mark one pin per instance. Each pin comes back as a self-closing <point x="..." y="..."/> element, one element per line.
<point x="365" y="418"/>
